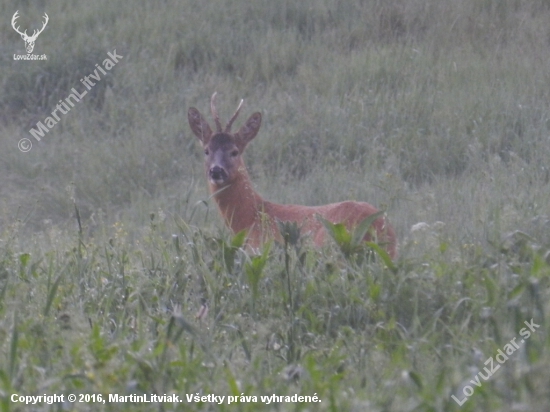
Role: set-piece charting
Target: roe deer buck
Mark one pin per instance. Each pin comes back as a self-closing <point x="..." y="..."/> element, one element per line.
<point x="243" y="208"/>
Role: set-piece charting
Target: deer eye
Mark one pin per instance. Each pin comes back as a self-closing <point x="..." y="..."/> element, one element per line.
<point x="234" y="153"/>
<point x="206" y="152"/>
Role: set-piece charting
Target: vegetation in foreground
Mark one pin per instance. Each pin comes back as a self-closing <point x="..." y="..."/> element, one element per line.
<point x="194" y="314"/>
<point x="116" y="275"/>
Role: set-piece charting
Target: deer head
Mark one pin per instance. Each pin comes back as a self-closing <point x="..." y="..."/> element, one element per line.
<point x="29" y="40"/>
<point x="223" y="149"/>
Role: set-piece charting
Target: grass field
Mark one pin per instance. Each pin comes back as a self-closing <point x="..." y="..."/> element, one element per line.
<point x="111" y="250"/>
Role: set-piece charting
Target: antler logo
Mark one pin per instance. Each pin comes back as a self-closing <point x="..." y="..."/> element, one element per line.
<point x="29" y="40"/>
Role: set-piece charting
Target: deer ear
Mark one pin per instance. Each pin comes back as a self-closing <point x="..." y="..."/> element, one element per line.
<point x="250" y="129"/>
<point x="199" y="126"/>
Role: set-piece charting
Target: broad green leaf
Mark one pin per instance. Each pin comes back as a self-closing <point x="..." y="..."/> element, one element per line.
<point x="363" y="227"/>
<point x="383" y="255"/>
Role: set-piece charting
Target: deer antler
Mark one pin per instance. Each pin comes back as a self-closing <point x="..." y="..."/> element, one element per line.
<point x="217" y="116"/>
<point x="15" y="17"/>
<point x="228" y="127"/>
<point x="215" y="113"/>
<point x="37" y="32"/>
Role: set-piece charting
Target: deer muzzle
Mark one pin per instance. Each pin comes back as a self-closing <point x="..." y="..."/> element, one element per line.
<point x="217" y="175"/>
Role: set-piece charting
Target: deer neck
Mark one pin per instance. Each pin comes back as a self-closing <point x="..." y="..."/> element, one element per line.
<point x="238" y="202"/>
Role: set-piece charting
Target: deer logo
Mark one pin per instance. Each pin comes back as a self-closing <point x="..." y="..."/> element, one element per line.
<point x="29" y="40"/>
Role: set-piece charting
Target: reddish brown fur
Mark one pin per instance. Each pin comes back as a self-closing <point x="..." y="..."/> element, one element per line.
<point x="243" y="208"/>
